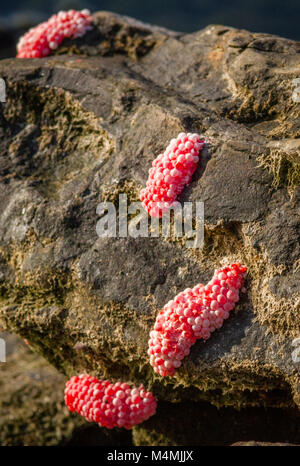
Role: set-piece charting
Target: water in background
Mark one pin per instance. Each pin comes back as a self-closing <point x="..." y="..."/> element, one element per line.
<point x="271" y="16"/>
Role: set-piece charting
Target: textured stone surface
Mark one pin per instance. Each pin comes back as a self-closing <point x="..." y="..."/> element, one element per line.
<point x="82" y="126"/>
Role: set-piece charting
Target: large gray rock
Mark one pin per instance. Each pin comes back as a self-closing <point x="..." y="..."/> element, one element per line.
<point x="82" y="126"/>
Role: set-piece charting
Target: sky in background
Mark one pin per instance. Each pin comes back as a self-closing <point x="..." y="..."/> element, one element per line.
<point x="272" y="16"/>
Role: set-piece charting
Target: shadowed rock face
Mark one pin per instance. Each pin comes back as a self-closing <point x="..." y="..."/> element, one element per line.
<point x="84" y="125"/>
<point x="212" y="426"/>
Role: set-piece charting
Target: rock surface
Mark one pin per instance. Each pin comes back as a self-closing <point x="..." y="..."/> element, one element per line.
<point x="82" y="126"/>
<point x="213" y="426"/>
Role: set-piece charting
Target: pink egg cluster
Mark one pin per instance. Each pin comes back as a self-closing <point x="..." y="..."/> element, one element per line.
<point x="170" y="172"/>
<point x="194" y="313"/>
<point x="109" y="404"/>
<point x="40" y="40"/>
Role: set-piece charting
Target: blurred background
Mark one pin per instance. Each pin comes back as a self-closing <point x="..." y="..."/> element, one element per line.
<point x="272" y="16"/>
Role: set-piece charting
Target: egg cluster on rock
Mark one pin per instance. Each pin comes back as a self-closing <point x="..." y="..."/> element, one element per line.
<point x="194" y="313"/>
<point x="40" y="40"/>
<point x="170" y="172"/>
<point x="109" y="404"/>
